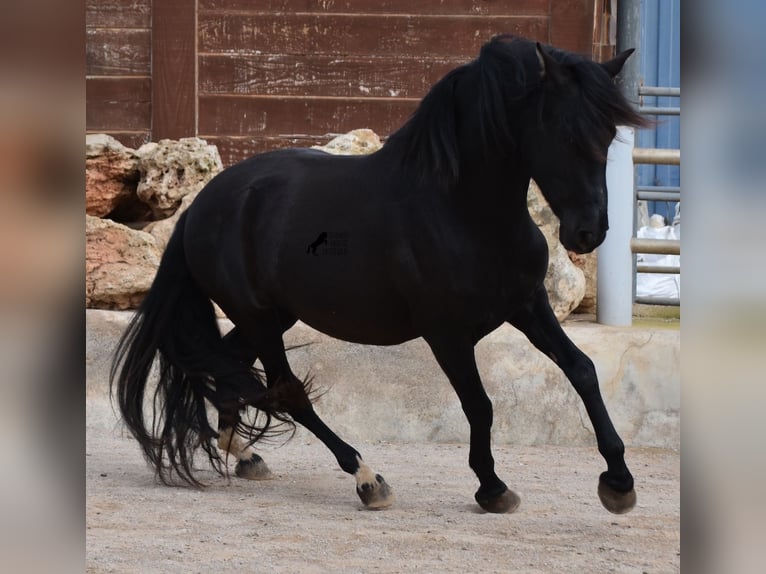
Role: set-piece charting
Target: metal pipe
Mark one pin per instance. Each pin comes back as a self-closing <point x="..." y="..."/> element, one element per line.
<point x="658" y="196"/>
<point x="629" y="36"/>
<point x="657" y="156"/>
<point x="659" y="301"/>
<point x="659" y="111"/>
<point x="663" y="188"/>
<point x="614" y="304"/>
<point x="658" y="269"/>
<point x="656" y="246"/>
<point x="659" y="91"/>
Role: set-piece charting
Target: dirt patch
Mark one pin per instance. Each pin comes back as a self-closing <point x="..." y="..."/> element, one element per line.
<point x="309" y="519"/>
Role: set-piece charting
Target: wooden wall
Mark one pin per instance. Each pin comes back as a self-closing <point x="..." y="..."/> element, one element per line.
<point x="118" y="69"/>
<point x="251" y="75"/>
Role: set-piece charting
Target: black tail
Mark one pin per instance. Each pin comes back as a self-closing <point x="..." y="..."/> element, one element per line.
<point x="176" y="322"/>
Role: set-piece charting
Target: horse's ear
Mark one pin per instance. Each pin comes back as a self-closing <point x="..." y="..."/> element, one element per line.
<point x="614" y="65"/>
<point x="550" y="70"/>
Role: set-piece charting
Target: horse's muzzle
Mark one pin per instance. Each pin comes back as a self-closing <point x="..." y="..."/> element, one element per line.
<point x="583" y="240"/>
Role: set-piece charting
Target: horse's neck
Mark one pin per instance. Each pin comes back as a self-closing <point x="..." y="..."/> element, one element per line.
<point x="490" y="171"/>
<point x="500" y="185"/>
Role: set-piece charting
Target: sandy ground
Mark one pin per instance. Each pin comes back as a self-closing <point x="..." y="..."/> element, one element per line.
<point x="309" y="519"/>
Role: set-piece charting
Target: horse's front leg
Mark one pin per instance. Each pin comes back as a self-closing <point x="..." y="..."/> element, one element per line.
<point x="456" y="358"/>
<point x="538" y="322"/>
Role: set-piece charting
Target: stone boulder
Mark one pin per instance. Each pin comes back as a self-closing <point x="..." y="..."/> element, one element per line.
<point x="162" y="230"/>
<point x="564" y="281"/>
<point x="588" y="263"/>
<point x="171" y="170"/>
<point x="111" y="176"/>
<point x="355" y="142"/>
<point x="120" y="264"/>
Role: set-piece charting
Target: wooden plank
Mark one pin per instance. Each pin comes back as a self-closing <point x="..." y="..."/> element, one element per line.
<point x="320" y="75"/>
<point x="118" y="104"/>
<point x="299" y="117"/>
<point x="465" y="7"/>
<point x="344" y="35"/>
<point x="174" y="86"/>
<point x="118" y="13"/>
<point x="571" y="25"/>
<point x="118" y="52"/>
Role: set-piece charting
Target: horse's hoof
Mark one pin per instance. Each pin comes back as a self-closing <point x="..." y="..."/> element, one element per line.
<point x="506" y="502"/>
<point x="376" y="495"/>
<point x="614" y="501"/>
<point x="253" y="469"/>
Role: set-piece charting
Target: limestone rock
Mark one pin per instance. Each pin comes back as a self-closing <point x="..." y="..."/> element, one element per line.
<point x="120" y="264"/>
<point x="171" y="170"/>
<point x="111" y="175"/>
<point x="162" y="230"/>
<point x="564" y="281"/>
<point x="588" y="263"/>
<point x="355" y="142"/>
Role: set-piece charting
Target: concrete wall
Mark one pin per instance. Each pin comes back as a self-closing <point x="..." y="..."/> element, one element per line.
<point x="400" y="394"/>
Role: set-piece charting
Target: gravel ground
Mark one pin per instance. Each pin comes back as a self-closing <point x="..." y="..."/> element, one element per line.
<point x="309" y="519"/>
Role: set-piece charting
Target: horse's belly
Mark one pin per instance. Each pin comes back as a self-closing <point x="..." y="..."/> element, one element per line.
<point x="364" y="327"/>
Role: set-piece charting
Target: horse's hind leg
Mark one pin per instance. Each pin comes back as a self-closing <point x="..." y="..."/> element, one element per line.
<point x="249" y="464"/>
<point x="372" y="489"/>
<point x="538" y="322"/>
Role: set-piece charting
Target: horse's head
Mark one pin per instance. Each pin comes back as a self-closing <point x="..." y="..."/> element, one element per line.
<point x="568" y="129"/>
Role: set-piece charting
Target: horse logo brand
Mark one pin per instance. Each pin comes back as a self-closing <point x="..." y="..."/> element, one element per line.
<point x="329" y="243"/>
<point x="320" y="240"/>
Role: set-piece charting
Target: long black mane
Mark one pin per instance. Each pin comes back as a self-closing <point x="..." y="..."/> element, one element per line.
<point x="506" y="72"/>
<point x="600" y="106"/>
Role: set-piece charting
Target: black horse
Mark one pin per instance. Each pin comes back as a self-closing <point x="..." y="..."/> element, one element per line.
<point x="438" y="244"/>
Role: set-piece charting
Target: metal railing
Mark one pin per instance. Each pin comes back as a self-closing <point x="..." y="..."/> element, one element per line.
<point x="657" y="193"/>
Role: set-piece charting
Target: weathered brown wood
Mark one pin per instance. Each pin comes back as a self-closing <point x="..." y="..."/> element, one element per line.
<point x="119" y="104"/>
<point x="118" y="52"/>
<point x="118" y="13"/>
<point x="279" y="73"/>
<point x="349" y="34"/>
<point x="571" y="25"/>
<point x="475" y="7"/>
<point x="299" y="117"/>
<point x="174" y="85"/>
<point x="321" y="75"/>
<point x="604" y="31"/>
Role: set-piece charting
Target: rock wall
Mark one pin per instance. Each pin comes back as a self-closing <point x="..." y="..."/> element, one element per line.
<point x="363" y="388"/>
<point x="135" y="197"/>
<point x="133" y="200"/>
